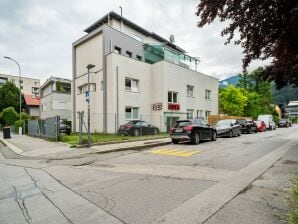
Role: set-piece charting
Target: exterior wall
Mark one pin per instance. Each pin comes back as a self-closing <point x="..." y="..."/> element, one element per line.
<point x="34" y="111"/>
<point x="27" y="84"/>
<point x="46" y="90"/>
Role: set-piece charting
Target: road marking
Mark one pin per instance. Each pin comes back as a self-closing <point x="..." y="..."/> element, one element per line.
<point x="175" y="152"/>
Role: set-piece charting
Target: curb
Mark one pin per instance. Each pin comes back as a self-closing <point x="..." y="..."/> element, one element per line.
<point x="12" y="147"/>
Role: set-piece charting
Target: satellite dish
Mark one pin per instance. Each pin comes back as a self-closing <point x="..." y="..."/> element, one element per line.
<point x="172" y="38"/>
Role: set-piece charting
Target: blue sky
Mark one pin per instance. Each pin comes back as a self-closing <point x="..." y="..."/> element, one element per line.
<point x="39" y="33"/>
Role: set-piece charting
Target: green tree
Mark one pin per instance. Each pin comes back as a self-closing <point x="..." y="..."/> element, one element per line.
<point x="9" y="116"/>
<point x="232" y="101"/>
<point x="10" y="96"/>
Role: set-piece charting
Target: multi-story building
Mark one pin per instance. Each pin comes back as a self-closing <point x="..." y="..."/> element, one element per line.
<point x="55" y="99"/>
<point x="291" y="109"/>
<point x="137" y="75"/>
<point x="29" y="86"/>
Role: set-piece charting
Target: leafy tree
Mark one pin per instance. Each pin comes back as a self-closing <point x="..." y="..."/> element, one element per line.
<point x="268" y="29"/>
<point x="232" y="101"/>
<point x="10" y="96"/>
<point x="9" y="116"/>
<point x="24" y="116"/>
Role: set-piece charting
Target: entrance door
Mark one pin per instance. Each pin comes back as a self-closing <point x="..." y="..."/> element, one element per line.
<point x="171" y="121"/>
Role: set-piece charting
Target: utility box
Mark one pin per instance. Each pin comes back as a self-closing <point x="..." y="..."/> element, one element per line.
<point x="6" y="132"/>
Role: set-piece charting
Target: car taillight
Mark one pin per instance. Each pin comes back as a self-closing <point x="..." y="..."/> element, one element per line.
<point x="172" y="130"/>
<point x="127" y="126"/>
<point x="187" y="128"/>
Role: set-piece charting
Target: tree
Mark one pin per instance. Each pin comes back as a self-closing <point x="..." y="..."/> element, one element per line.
<point x="232" y="101"/>
<point x="9" y="116"/>
<point x="9" y="96"/>
<point x="268" y="29"/>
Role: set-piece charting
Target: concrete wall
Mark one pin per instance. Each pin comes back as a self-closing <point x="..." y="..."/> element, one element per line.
<point x="56" y="104"/>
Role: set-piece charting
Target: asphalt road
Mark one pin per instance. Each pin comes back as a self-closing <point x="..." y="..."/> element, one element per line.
<point x="233" y="180"/>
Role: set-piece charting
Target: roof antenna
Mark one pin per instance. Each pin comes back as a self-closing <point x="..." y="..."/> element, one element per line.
<point x="120" y="10"/>
<point x="121" y="18"/>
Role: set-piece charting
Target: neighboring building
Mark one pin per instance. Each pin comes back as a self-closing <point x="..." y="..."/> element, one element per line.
<point x="56" y="98"/>
<point x="32" y="104"/>
<point x="137" y="75"/>
<point x="291" y="109"/>
<point x="28" y="85"/>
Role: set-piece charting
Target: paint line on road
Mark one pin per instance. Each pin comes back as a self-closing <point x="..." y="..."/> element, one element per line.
<point x="175" y="152"/>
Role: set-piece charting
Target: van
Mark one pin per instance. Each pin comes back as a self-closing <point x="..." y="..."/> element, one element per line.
<point x="268" y="120"/>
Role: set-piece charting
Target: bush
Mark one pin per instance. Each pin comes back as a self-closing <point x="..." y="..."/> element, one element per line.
<point x="294" y="120"/>
<point x="24" y="116"/>
<point x="293" y="203"/>
<point x="9" y="116"/>
<point x="19" y="123"/>
<point x="84" y="140"/>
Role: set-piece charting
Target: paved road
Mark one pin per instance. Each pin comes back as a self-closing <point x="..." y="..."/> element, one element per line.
<point x="233" y="180"/>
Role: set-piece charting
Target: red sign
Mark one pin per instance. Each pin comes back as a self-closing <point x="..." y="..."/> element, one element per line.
<point x="173" y="106"/>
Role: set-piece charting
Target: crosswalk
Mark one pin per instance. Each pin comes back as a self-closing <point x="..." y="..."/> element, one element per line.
<point x="175" y="152"/>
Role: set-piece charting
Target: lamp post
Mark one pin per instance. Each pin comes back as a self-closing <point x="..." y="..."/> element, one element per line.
<point x="90" y="66"/>
<point x="9" y="58"/>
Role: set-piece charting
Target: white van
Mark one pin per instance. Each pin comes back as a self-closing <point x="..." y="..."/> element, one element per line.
<point x="268" y="120"/>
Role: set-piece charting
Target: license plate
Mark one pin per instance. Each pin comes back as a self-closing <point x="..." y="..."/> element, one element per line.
<point x="179" y="130"/>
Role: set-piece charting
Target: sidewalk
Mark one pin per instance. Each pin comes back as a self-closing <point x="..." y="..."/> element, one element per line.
<point x="35" y="147"/>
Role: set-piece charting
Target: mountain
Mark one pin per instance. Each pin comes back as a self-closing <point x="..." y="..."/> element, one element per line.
<point x="233" y="80"/>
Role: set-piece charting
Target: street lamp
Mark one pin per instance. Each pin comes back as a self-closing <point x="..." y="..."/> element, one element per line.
<point x="90" y="66"/>
<point x="9" y="58"/>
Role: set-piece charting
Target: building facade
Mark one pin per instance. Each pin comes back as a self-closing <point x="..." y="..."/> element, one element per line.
<point x="137" y="75"/>
<point x="56" y="98"/>
<point x="291" y="109"/>
<point x="29" y="86"/>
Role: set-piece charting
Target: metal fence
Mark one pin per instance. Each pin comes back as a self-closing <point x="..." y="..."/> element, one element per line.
<point x="48" y="127"/>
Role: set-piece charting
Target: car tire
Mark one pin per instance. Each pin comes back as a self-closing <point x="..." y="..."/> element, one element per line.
<point x="239" y="133"/>
<point x="136" y="132"/>
<point x="231" y="134"/>
<point x="214" y="136"/>
<point x="195" y="138"/>
<point x="156" y="131"/>
<point x="175" y="141"/>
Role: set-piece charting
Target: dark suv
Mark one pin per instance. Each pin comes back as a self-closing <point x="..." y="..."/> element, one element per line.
<point x="247" y="125"/>
<point x="193" y="130"/>
<point x="64" y="128"/>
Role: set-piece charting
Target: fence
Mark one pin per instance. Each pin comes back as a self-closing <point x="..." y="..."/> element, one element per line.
<point x="212" y="119"/>
<point x="48" y="127"/>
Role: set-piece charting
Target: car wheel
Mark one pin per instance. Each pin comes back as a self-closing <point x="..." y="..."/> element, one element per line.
<point x="196" y="138"/>
<point x="239" y="133"/>
<point x="231" y="134"/>
<point x="155" y="132"/>
<point x="175" y="141"/>
<point x="249" y="130"/>
<point x="214" y="136"/>
<point x="136" y="132"/>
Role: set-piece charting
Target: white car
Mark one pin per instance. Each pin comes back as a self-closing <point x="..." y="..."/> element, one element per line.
<point x="268" y="120"/>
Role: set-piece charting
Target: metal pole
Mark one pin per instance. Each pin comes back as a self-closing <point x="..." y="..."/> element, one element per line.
<point x="117" y="83"/>
<point x="89" y="140"/>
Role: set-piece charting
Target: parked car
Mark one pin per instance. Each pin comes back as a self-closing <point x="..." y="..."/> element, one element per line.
<point x="228" y="127"/>
<point x="247" y="125"/>
<point x="64" y="128"/>
<point x="268" y="119"/>
<point x="261" y="126"/>
<point x="193" y="130"/>
<point x="284" y="122"/>
<point x="137" y="128"/>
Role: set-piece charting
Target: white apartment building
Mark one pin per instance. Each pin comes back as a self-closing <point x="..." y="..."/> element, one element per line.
<point x="56" y="98"/>
<point x="137" y="75"/>
<point x="29" y="86"/>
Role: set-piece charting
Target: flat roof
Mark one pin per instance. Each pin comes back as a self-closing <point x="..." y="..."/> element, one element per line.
<point x="131" y="24"/>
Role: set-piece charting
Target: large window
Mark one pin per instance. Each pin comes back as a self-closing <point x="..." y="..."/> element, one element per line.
<point x="189" y="113"/>
<point x="190" y="90"/>
<point x="35" y="90"/>
<point x="172" y="97"/>
<point x="131" y="113"/>
<point x="208" y="94"/>
<point x="132" y="85"/>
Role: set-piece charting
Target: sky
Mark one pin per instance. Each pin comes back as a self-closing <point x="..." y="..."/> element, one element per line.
<point x="39" y="33"/>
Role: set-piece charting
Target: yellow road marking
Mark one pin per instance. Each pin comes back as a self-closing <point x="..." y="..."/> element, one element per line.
<point x="175" y="152"/>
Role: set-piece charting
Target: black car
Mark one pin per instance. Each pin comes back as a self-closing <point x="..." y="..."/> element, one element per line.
<point x="137" y="128"/>
<point x="64" y="128"/>
<point x="193" y="130"/>
<point x="247" y="126"/>
<point x="228" y="127"/>
<point x="284" y="122"/>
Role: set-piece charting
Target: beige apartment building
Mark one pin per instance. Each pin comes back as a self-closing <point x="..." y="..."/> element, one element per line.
<point x="137" y="75"/>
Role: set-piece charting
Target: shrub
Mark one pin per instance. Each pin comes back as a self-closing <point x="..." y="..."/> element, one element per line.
<point x="293" y="203"/>
<point x="19" y="123"/>
<point x="9" y="116"/>
<point x="24" y="116"/>
<point x="84" y="140"/>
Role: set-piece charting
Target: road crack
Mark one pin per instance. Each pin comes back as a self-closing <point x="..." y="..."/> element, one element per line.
<point x="21" y="203"/>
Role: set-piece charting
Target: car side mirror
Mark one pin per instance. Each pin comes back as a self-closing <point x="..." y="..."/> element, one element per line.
<point x="231" y="124"/>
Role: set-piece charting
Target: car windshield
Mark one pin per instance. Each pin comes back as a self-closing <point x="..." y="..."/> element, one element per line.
<point x="223" y="123"/>
<point x="180" y="124"/>
<point x="133" y="122"/>
<point x="283" y="120"/>
<point x="241" y="121"/>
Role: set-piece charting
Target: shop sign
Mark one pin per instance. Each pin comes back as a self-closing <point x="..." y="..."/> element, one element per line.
<point x="173" y="106"/>
<point x="157" y="106"/>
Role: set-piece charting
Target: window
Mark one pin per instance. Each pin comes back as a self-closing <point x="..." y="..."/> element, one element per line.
<point x="84" y="88"/>
<point x="208" y="94"/>
<point x="129" y="54"/>
<point x="189" y="113"/>
<point x="131" y="85"/>
<point x="117" y="50"/>
<point x="172" y="97"/>
<point x="35" y="90"/>
<point x="139" y="57"/>
<point x="207" y="113"/>
<point x="190" y="90"/>
<point x="131" y="113"/>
